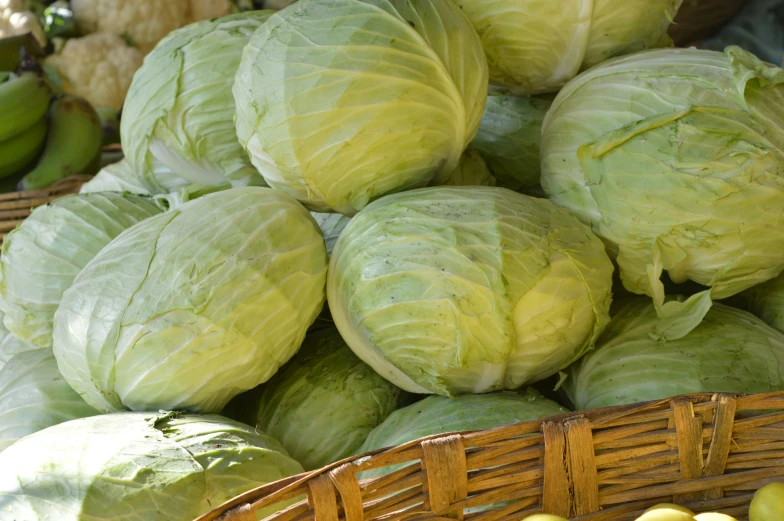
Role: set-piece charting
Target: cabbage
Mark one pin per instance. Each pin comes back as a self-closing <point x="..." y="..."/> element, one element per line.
<point x="137" y="467"/>
<point x="758" y="28"/>
<point x="190" y="308"/>
<point x="331" y="225"/>
<point x="766" y="300"/>
<point x="468" y="289"/>
<point x="342" y="101"/>
<point x="43" y="255"/>
<point x="509" y="137"/>
<point x="11" y="345"/>
<point x="116" y="177"/>
<point x="325" y="401"/>
<point x="729" y="351"/>
<point x="468" y="412"/>
<point x="34" y="396"/>
<point x="472" y="170"/>
<point x="537" y="46"/>
<point x="178" y="121"/>
<point x="675" y="158"/>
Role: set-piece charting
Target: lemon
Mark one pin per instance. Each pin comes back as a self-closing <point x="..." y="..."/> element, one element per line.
<point x="666" y="514"/>
<point x="545" y="517"/>
<point x="768" y="503"/>
<point x="671" y="507"/>
<point x="714" y="516"/>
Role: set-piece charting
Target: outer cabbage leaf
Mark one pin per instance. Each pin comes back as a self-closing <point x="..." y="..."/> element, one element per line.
<point x="43" y="255"/>
<point x="621" y="27"/>
<point x="675" y="157"/>
<point x="331" y="225"/>
<point x="468" y="412"/>
<point x="766" y="300"/>
<point x="225" y="285"/>
<point x="137" y="467"/>
<point x="116" y="177"/>
<point x="11" y="345"/>
<point x="469" y="289"/>
<point x="729" y="351"/>
<point x="342" y="101"/>
<point x="757" y="28"/>
<point x="325" y="401"/>
<point x="471" y="171"/>
<point x="536" y="46"/>
<point x="34" y="396"/>
<point x="509" y="138"/>
<point x="178" y="121"/>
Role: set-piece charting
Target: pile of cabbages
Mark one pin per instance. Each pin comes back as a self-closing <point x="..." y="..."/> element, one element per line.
<point x="351" y="223"/>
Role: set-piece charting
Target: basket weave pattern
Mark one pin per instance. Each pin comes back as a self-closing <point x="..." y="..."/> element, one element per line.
<point x="709" y="452"/>
<point x="16" y="206"/>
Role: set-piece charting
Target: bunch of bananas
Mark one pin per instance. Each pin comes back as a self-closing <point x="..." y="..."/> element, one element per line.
<point x="44" y="136"/>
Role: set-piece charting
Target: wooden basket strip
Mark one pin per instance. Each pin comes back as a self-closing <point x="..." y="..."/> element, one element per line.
<point x="710" y="450"/>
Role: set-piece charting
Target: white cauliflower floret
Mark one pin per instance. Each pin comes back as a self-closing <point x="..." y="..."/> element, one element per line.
<point x="15" y="19"/>
<point x="208" y="9"/>
<point x="98" y="67"/>
<point x="143" y="22"/>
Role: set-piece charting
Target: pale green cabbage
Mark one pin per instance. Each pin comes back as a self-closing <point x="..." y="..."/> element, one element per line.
<point x="190" y="308"/>
<point x="675" y="157"/>
<point x="467" y="412"/>
<point x="178" y="120"/>
<point x="117" y="177"/>
<point x="535" y="46"/>
<point x="729" y="351"/>
<point x="758" y="28"/>
<point x="468" y="289"/>
<point x="766" y="300"/>
<point x="11" y="345"/>
<point x="342" y="101"/>
<point x="43" y="255"/>
<point x="472" y="170"/>
<point x="331" y="225"/>
<point x="509" y="138"/>
<point x="325" y="401"/>
<point x="137" y="467"/>
<point x="34" y="396"/>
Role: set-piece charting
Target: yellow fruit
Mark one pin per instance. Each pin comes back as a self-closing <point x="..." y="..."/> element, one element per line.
<point x="671" y="507"/>
<point x="768" y="503"/>
<point x="544" y="517"/>
<point x="714" y="516"/>
<point x="666" y="514"/>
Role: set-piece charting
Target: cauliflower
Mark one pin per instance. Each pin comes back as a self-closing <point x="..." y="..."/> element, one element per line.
<point x="208" y="9"/>
<point x="15" y="19"/>
<point x="98" y="67"/>
<point x="143" y="22"/>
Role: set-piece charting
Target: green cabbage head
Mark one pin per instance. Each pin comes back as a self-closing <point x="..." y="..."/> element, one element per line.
<point x="342" y="101"/>
<point x="766" y="300"/>
<point x="535" y="46"/>
<point x="467" y="412"/>
<point x="455" y="290"/>
<point x="224" y="286"/>
<point x="728" y="351"/>
<point x="472" y="170"/>
<point x="137" y="467"/>
<point x="43" y="255"/>
<point x="11" y="345"/>
<point x="178" y="121"/>
<point x="509" y="138"/>
<point x="325" y="401"/>
<point x="331" y="225"/>
<point x="34" y="396"/>
<point x="676" y="158"/>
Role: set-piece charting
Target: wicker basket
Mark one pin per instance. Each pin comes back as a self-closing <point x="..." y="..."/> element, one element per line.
<point x="16" y="206"/>
<point x="700" y="19"/>
<point x="709" y="452"/>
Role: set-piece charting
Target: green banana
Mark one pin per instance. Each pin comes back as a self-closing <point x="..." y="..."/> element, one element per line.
<point x="73" y="145"/>
<point x="23" y="101"/>
<point x="22" y="149"/>
<point x="13" y="48"/>
<point x="4" y="76"/>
